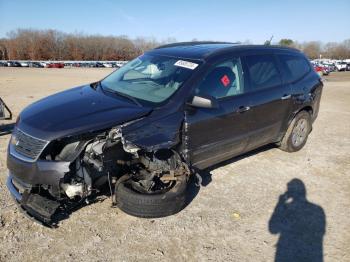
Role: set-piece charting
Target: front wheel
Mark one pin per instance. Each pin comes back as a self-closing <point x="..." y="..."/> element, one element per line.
<point x="165" y="201"/>
<point x="297" y="133"/>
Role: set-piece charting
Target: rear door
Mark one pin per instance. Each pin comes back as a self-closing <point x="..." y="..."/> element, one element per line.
<point x="216" y="134"/>
<point x="270" y="99"/>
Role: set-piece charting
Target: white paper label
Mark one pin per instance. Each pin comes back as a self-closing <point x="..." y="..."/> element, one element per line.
<point x="186" y="64"/>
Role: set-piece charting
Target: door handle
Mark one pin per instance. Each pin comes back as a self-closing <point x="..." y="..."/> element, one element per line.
<point x="285" y="97"/>
<point x="242" y="109"/>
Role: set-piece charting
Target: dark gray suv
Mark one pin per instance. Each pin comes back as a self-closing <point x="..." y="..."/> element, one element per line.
<point x="142" y="131"/>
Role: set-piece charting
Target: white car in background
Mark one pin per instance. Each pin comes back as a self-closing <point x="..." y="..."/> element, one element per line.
<point x="24" y="64"/>
<point x="109" y="65"/>
<point x="341" y="66"/>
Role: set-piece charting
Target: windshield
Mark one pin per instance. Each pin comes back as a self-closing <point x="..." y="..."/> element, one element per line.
<point x="150" y="78"/>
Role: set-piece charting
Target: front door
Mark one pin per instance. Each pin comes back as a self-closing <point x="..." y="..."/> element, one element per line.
<point x="216" y="134"/>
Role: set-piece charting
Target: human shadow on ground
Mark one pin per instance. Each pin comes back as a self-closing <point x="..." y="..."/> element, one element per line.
<point x="300" y="225"/>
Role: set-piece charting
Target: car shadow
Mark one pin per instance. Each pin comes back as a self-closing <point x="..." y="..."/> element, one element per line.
<point x="206" y="174"/>
<point x="6" y="129"/>
<point x="300" y="225"/>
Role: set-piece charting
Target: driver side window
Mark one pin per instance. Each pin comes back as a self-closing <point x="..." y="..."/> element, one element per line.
<point x="223" y="80"/>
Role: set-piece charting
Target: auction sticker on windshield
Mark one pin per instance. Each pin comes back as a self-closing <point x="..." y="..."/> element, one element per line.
<point x="186" y="64"/>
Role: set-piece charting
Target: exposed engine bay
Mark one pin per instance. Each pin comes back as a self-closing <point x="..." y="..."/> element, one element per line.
<point x="98" y="164"/>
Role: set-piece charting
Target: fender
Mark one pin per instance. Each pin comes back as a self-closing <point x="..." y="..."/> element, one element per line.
<point x="161" y="133"/>
<point x="308" y="101"/>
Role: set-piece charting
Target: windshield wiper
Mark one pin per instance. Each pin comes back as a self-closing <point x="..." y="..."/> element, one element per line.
<point x="131" y="98"/>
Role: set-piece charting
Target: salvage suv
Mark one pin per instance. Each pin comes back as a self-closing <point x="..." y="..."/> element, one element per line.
<point x="142" y="131"/>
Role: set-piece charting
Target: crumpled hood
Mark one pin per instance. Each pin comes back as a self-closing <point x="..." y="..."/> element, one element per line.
<point x="76" y="111"/>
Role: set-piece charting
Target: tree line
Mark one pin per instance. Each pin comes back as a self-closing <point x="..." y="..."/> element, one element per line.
<point x="29" y="44"/>
<point x="317" y="49"/>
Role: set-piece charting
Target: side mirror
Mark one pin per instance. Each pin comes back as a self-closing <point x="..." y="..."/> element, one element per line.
<point x="204" y="102"/>
<point x="5" y="112"/>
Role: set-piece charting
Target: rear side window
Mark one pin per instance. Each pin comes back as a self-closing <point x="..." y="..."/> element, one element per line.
<point x="263" y="71"/>
<point x="296" y="66"/>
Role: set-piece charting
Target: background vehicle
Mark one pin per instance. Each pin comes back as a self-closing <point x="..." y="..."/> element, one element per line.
<point x="108" y="65"/>
<point x="142" y="131"/>
<point x="341" y="66"/>
<point x="321" y="70"/>
<point x="24" y="64"/>
<point x="331" y="66"/>
<point x="55" y="65"/>
<point x="76" y="64"/>
<point x="13" y="64"/>
<point x="35" y="64"/>
<point x="96" y="64"/>
<point x="114" y="65"/>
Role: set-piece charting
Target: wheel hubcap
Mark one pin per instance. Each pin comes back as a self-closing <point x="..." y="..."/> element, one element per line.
<point x="299" y="132"/>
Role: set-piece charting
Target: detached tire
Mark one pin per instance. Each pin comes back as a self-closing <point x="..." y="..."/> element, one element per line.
<point x="152" y="205"/>
<point x="297" y="132"/>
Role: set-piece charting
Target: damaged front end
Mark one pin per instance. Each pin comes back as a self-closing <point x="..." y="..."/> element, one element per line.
<point x="67" y="173"/>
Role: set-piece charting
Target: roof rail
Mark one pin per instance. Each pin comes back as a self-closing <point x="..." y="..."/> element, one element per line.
<point x="192" y="43"/>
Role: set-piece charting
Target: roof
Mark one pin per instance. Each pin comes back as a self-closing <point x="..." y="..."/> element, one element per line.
<point x="202" y="50"/>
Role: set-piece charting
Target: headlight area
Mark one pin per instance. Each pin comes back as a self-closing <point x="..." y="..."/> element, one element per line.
<point x="85" y="174"/>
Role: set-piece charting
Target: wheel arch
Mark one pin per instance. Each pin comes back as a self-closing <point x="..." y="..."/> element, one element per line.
<point x="308" y="109"/>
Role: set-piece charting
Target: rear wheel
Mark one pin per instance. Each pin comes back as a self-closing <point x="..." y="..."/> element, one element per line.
<point x="297" y="133"/>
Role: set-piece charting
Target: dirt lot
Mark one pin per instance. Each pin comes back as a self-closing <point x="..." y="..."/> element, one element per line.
<point x="227" y="220"/>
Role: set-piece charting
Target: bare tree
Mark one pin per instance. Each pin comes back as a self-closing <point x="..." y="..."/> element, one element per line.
<point x="337" y="50"/>
<point x="23" y="44"/>
<point x="312" y="49"/>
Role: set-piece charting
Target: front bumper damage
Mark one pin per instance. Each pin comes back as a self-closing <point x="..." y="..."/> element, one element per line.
<point x="40" y="209"/>
<point x="38" y="172"/>
<point x="34" y="206"/>
<point x="24" y="176"/>
<point x="72" y="172"/>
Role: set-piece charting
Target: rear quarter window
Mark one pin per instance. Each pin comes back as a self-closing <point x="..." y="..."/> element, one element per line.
<point x="296" y="67"/>
<point x="263" y="71"/>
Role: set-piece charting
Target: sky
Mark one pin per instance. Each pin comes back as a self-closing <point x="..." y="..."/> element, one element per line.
<point x="185" y="20"/>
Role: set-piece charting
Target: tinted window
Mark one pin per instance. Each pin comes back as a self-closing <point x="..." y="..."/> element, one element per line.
<point x="263" y="71"/>
<point x="223" y="80"/>
<point x="296" y="66"/>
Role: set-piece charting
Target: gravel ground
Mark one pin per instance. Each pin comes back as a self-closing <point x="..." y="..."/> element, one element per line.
<point x="227" y="219"/>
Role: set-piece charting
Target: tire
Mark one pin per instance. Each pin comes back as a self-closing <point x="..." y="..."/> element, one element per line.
<point x="289" y="140"/>
<point x="152" y="205"/>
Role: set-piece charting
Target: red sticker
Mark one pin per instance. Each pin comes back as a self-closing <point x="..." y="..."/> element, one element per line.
<point x="225" y="80"/>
